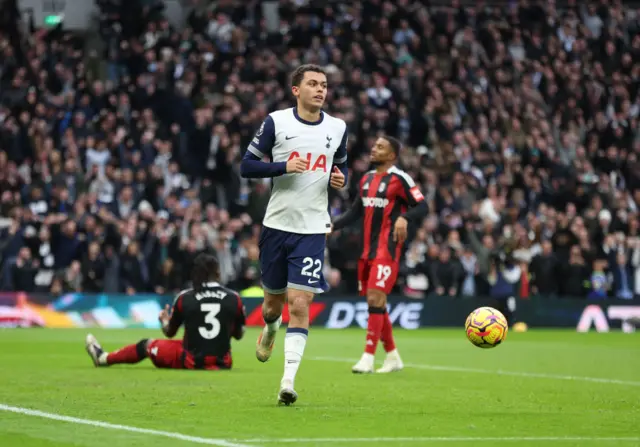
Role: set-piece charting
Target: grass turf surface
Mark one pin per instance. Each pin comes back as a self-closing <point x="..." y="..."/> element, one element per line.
<point x="553" y="385"/>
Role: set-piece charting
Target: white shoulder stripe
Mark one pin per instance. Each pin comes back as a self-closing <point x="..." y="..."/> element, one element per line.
<point x="340" y="160"/>
<point x="407" y="178"/>
<point x="255" y="151"/>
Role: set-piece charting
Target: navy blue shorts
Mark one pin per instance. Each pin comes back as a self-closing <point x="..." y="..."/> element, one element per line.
<point x="292" y="260"/>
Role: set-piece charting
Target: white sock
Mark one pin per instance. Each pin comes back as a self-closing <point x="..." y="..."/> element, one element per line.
<point x="294" y="343"/>
<point x="102" y="358"/>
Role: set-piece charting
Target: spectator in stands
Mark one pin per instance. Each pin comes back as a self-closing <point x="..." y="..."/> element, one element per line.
<point x="545" y="272"/>
<point x="24" y="271"/>
<point x="93" y="269"/>
<point x="446" y="273"/>
<point x="520" y="124"/>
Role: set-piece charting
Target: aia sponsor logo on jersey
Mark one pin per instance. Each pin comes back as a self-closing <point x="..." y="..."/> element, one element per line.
<point x="375" y="202"/>
<point x="317" y="164"/>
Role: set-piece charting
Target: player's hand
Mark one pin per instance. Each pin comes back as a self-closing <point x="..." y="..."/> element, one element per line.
<point x="337" y="178"/>
<point x="331" y="232"/>
<point x="400" y="230"/>
<point x="165" y="315"/>
<point x="296" y="165"/>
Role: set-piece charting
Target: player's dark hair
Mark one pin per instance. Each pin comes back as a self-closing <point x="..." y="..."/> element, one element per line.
<point x="298" y="73"/>
<point x="395" y="144"/>
<point x="205" y="268"/>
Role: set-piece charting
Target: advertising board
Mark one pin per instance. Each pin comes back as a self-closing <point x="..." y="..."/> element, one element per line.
<point x="331" y="312"/>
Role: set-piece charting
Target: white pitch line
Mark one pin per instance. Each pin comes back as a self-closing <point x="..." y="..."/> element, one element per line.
<point x="146" y="431"/>
<point x="441" y="439"/>
<point x="254" y="442"/>
<point x="498" y="372"/>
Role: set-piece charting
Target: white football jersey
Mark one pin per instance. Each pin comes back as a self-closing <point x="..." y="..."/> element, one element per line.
<point x="299" y="203"/>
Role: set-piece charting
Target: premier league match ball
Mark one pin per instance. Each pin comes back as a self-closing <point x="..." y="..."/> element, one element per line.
<point x="486" y="327"/>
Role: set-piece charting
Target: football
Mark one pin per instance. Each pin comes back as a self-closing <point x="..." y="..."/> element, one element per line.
<point x="486" y="327"/>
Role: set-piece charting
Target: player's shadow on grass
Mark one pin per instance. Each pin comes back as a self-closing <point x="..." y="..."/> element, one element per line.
<point x="169" y="371"/>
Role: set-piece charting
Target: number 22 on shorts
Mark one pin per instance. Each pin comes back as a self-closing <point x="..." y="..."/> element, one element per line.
<point x="309" y="264"/>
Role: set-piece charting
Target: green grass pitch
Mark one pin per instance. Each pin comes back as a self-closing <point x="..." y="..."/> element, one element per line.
<point x="555" y="388"/>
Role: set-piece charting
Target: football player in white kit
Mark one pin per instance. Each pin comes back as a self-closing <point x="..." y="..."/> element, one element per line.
<point x="308" y="151"/>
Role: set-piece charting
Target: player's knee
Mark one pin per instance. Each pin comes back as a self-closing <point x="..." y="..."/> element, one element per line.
<point x="299" y="304"/>
<point x="142" y="348"/>
<point x="376" y="298"/>
<point x="274" y="298"/>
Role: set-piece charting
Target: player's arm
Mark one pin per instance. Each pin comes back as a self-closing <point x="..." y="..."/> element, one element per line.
<point x="260" y="147"/>
<point x="352" y="215"/>
<point x="171" y="318"/>
<point x="414" y="198"/>
<point x="340" y="163"/>
<point x="240" y="321"/>
<point x="417" y="208"/>
<point x="416" y="212"/>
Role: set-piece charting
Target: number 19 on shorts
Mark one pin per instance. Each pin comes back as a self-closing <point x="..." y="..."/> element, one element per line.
<point x="383" y="274"/>
<point x="376" y="274"/>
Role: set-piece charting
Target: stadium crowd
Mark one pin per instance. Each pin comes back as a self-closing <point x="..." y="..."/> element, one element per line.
<point x="520" y="123"/>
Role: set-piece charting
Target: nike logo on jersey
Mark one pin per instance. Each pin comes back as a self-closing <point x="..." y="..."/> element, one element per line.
<point x="290" y="138"/>
<point x="312" y="281"/>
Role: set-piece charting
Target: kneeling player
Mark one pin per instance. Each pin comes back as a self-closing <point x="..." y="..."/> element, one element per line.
<point x="385" y="194"/>
<point x="211" y="315"/>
